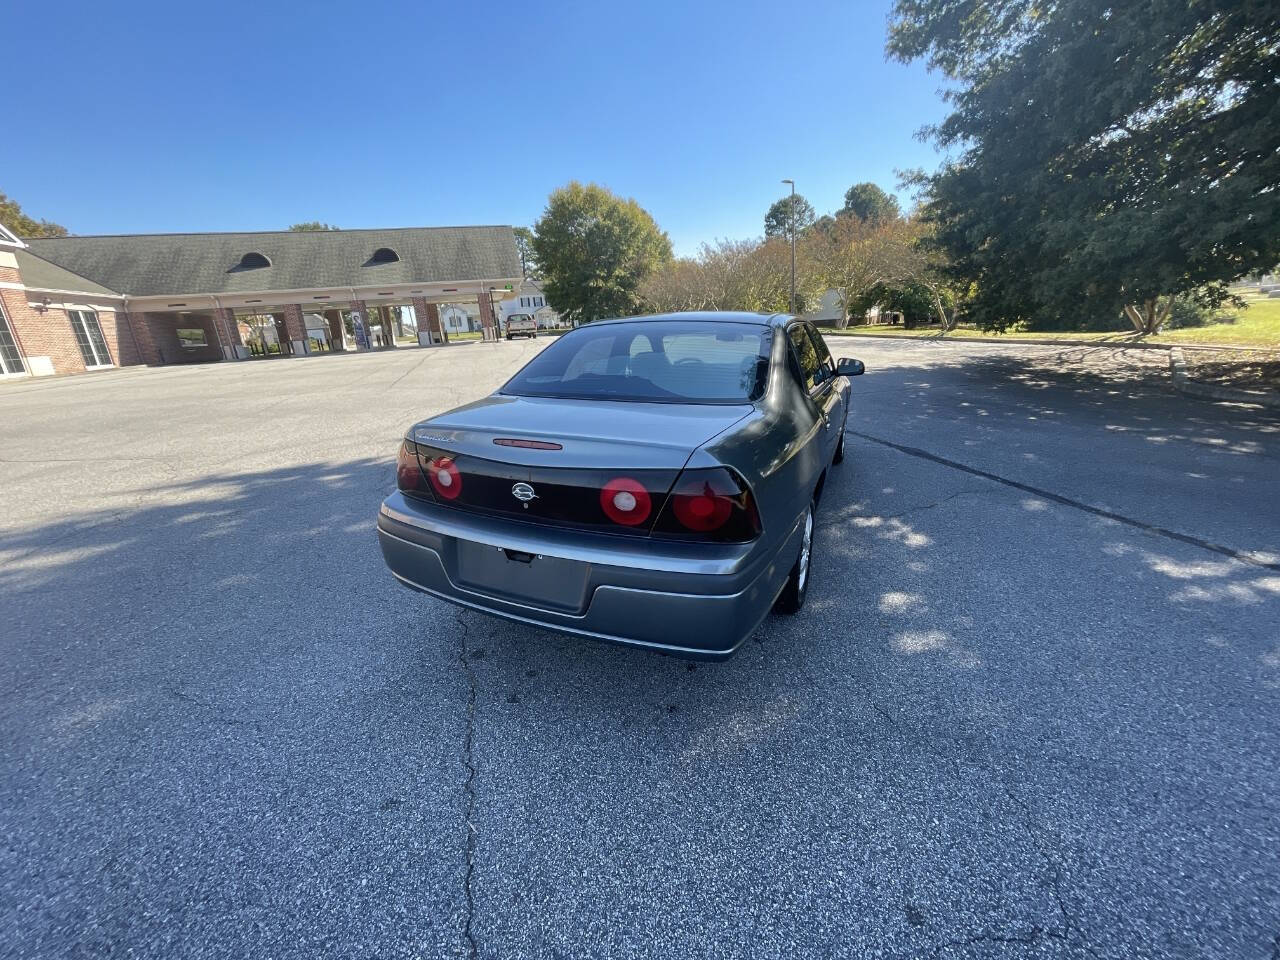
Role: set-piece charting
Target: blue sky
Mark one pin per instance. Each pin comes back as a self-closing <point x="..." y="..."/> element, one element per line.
<point x="154" y="117"/>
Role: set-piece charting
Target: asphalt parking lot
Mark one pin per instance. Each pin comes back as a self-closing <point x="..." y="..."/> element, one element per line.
<point x="1031" y="709"/>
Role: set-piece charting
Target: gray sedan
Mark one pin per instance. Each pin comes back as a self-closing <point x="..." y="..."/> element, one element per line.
<point x="649" y="481"/>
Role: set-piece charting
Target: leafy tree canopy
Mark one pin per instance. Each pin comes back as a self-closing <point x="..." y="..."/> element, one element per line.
<point x="21" y="225"/>
<point x="911" y="298"/>
<point x="752" y="275"/>
<point x="868" y="202"/>
<point x="1106" y="156"/>
<point x="777" y="221"/>
<point x="524" y="245"/>
<point x="312" y="226"/>
<point x="594" y="249"/>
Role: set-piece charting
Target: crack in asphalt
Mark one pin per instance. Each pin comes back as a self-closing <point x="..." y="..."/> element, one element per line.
<point x="1068" y="931"/>
<point x="929" y="506"/>
<point x="1049" y="850"/>
<point x="218" y="714"/>
<point x="412" y="369"/>
<point x="1028" y="940"/>
<point x="469" y="788"/>
<point x="1068" y="502"/>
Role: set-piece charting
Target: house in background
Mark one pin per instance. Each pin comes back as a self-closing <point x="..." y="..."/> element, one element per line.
<point x="459" y="318"/>
<point x="528" y="298"/>
<point x="830" y="311"/>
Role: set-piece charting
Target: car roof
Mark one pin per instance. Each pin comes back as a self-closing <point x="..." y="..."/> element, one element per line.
<point x="700" y="316"/>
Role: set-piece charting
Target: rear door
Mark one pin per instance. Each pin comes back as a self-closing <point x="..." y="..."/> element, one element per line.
<point x="818" y="385"/>
<point x="835" y="399"/>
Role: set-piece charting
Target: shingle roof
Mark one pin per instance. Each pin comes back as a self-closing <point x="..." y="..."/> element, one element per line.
<point x="191" y="263"/>
<point x="39" y="274"/>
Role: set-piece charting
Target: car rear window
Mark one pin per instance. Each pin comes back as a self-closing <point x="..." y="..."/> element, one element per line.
<point x="659" y="361"/>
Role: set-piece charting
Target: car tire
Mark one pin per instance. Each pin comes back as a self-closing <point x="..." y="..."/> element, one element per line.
<point x="791" y="599"/>
<point x="839" y="457"/>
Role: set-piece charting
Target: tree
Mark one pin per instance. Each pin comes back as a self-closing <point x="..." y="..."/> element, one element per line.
<point x="312" y="226"/>
<point x="866" y="201"/>
<point x="777" y="221"/>
<point x="752" y="275"/>
<point x="594" y="249"/>
<point x="524" y="246"/>
<point x="854" y="256"/>
<point x="679" y="284"/>
<point x="21" y="225"/>
<point x="1106" y="157"/>
<point x="923" y="270"/>
<point x="913" y="300"/>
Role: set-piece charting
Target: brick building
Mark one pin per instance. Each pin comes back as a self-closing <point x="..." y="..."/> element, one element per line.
<point x="76" y="304"/>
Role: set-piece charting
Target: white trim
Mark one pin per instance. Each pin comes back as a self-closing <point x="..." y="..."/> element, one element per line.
<point x="7" y="285"/>
<point x="9" y="239"/>
<point x="17" y="345"/>
<point x="92" y="348"/>
<point x="447" y="289"/>
<point x="439" y="292"/>
<point x="69" y="305"/>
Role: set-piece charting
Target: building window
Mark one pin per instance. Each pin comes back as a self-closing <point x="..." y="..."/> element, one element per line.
<point x="10" y="356"/>
<point x="192" y="337"/>
<point x="84" y="323"/>
<point x="253" y="261"/>
<point x="384" y="255"/>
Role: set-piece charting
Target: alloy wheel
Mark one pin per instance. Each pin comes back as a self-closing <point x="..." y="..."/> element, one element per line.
<point x="805" y="547"/>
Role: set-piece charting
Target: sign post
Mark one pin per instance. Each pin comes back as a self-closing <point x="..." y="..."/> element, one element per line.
<point x="362" y="331"/>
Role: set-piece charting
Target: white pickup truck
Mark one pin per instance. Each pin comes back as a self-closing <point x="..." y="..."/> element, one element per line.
<point x="522" y="325"/>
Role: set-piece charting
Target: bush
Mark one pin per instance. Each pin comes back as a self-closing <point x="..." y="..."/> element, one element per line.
<point x="1188" y="312"/>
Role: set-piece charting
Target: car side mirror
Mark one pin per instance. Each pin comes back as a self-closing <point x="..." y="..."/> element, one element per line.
<point x="847" y="367"/>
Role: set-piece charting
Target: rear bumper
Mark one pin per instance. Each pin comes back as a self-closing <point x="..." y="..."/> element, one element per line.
<point x="693" y="600"/>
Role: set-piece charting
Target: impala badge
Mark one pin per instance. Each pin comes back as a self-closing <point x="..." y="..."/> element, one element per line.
<point x="523" y="492"/>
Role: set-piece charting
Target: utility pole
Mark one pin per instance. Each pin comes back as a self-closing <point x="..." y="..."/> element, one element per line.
<point x="793" y="244"/>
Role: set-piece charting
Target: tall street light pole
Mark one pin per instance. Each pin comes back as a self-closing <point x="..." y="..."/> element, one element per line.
<point x="793" y="244"/>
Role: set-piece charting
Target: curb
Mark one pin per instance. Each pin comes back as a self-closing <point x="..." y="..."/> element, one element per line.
<point x="1006" y="341"/>
<point x="1184" y="384"/>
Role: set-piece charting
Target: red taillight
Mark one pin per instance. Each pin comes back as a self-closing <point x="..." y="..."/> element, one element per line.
<point x="445" y="479"/>
<point x="699" y="506"/>
<point x="625" y="501"/>
<point x="408" y="474"/>
<point x="714" y="504"/>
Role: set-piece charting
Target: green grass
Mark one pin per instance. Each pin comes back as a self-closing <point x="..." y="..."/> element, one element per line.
<point x="1257" y="325"/>
<point x="884" y="330"/>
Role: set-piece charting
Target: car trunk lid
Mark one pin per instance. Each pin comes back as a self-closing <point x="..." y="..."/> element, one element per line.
<point x="591" y="434"/>
<point x="550" y="460"/>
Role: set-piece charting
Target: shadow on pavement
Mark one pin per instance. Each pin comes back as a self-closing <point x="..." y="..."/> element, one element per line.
<point x="995" y="719"/>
